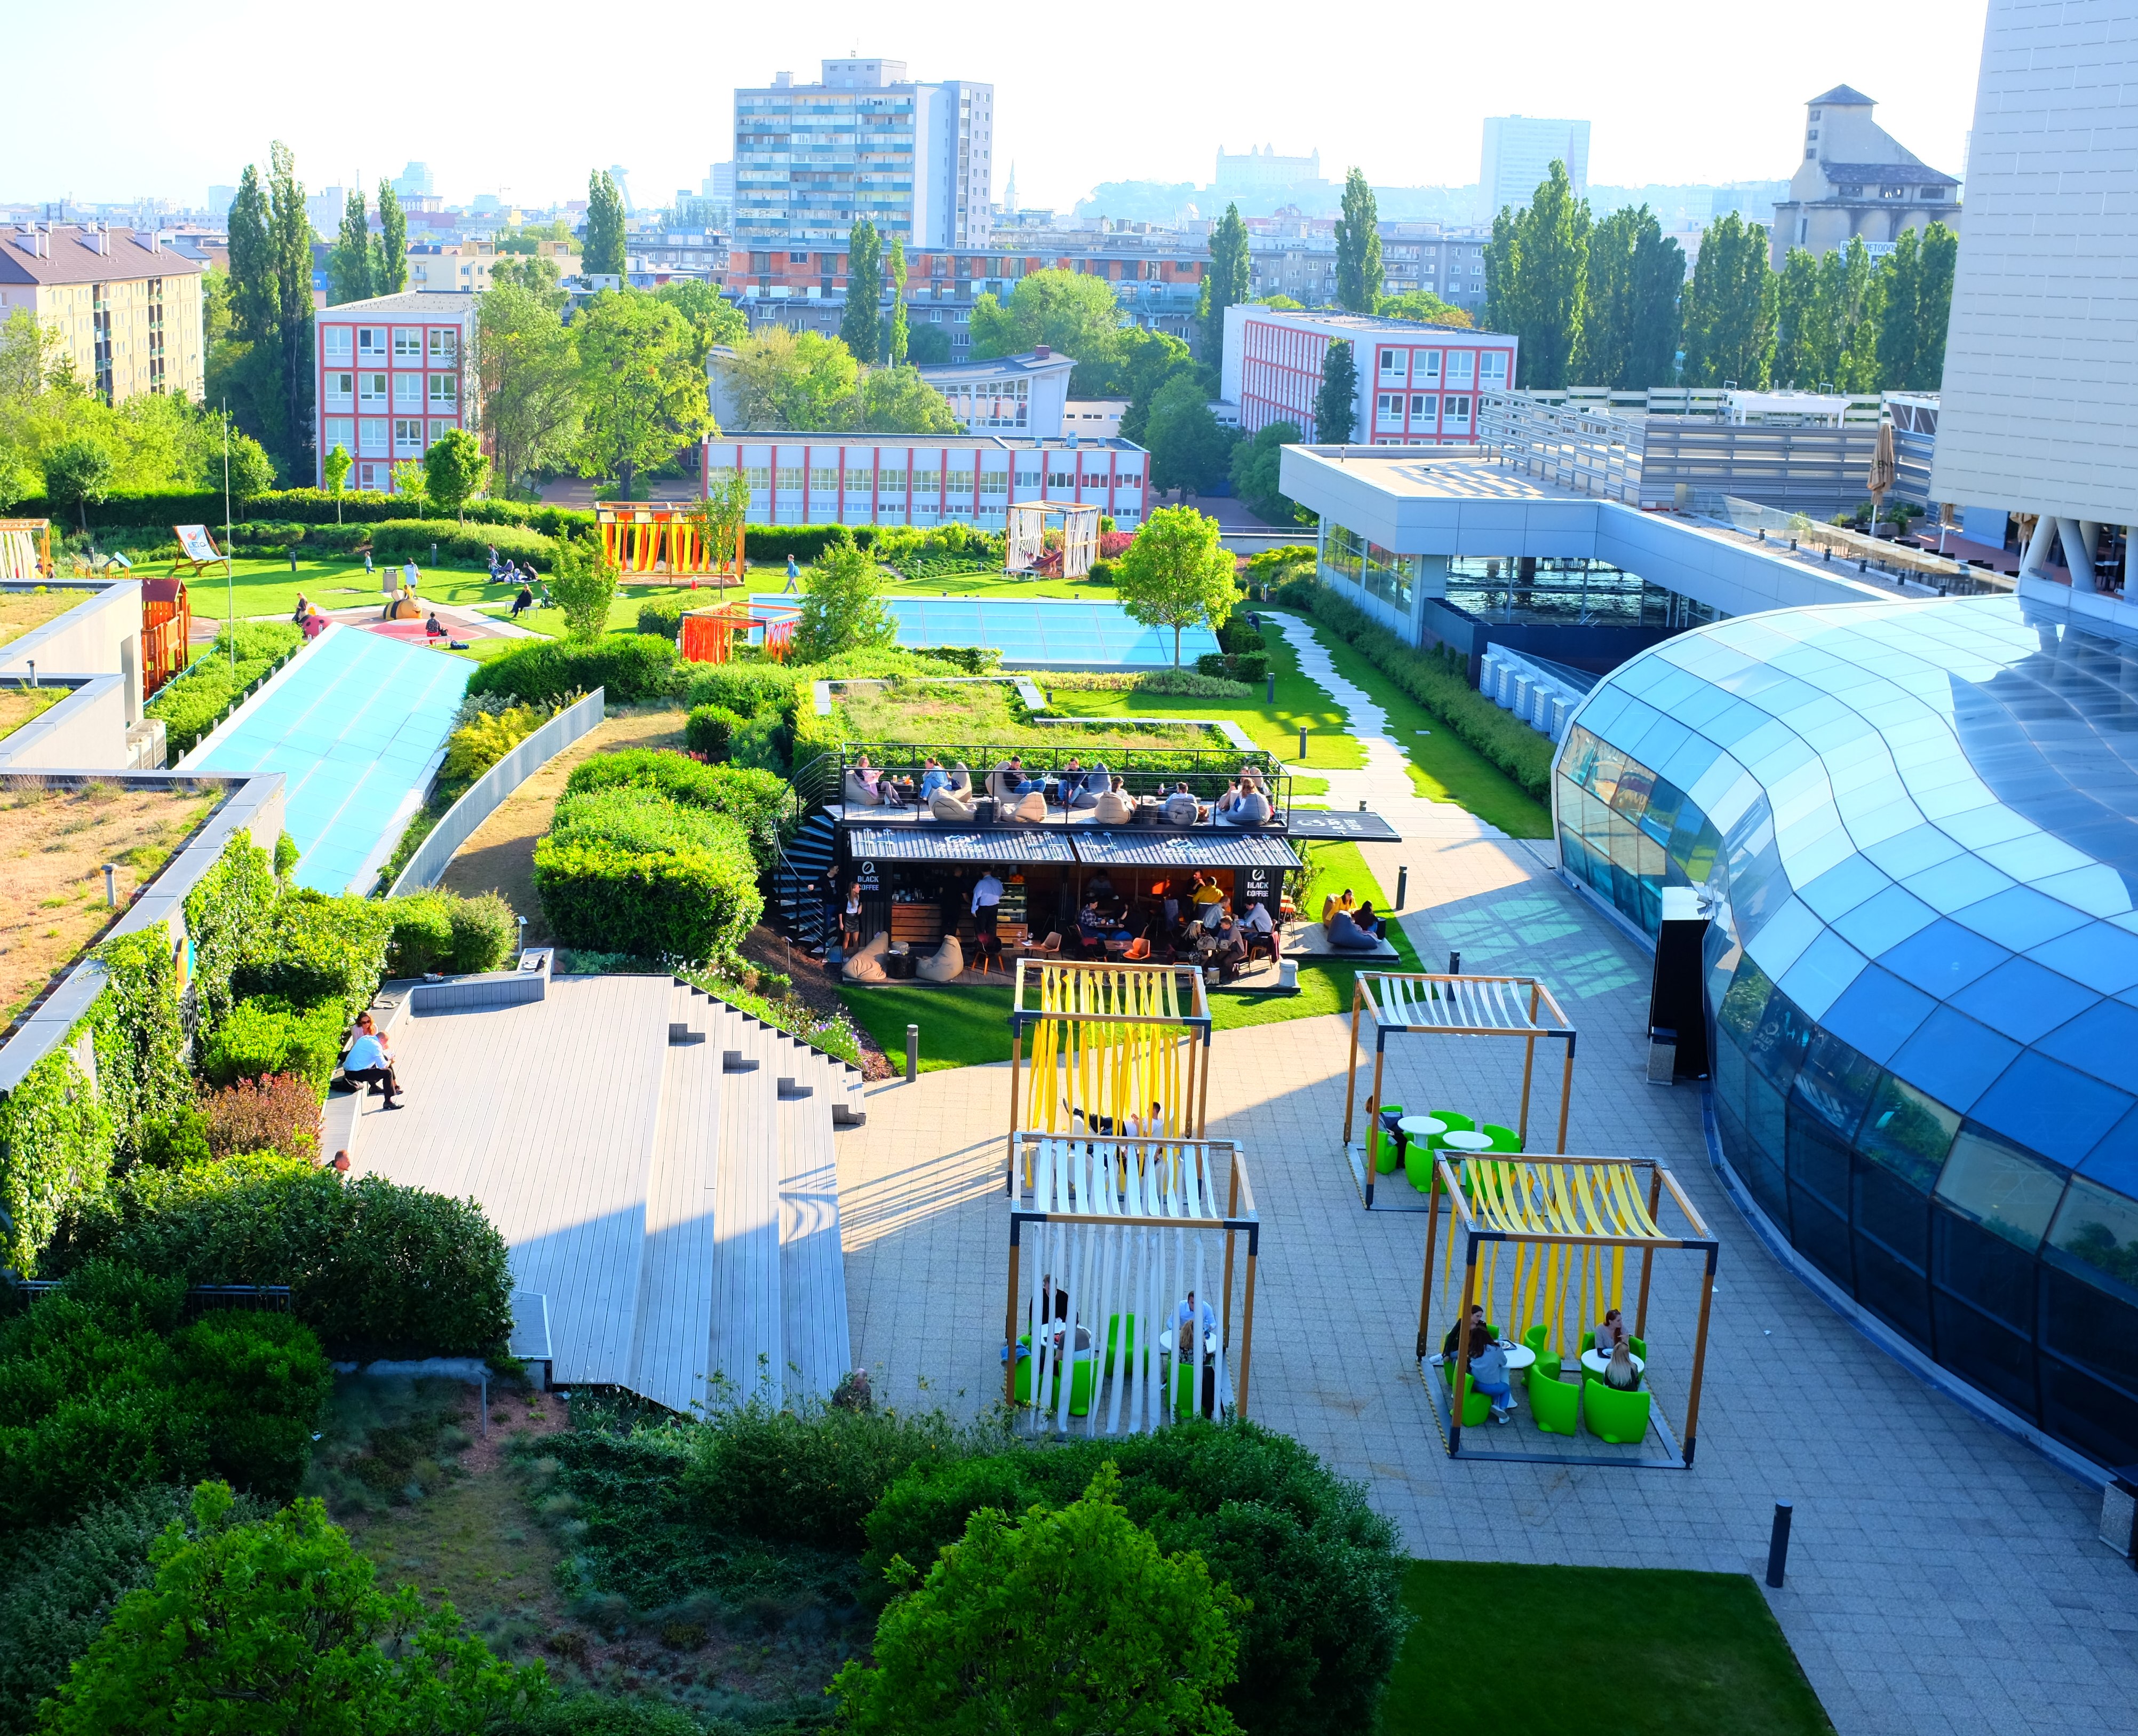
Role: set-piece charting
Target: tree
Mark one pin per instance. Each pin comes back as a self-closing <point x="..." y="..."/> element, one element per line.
<point x="292" y="238"/>
<point x="389" y="262"/>
<point x="1336" y="404"/>
<point x="779" y="378"/>
<point x="527" y="376"/>
<point x="1188" y="450"/>
<point x="1257" y="472"/>
<point x="1544" y="278"/>
<point x="1068" y="1621"/>
<point x="1803" y="323"/>
<point x="1149" y="361"/>
<point x="348" y="266"/>
<point x="841" y="607"/>
<point x="78" y="474"/>
<point x="643" y="396"/>
<point x="455" y="471"/>
<point x="1176" y="573"/>
<point x="1917" y="307"/>
<point x="1072" y="313"/>
<point x="604" y="253"/>
<point x="1658" y="287"/>
<point x="713" y="320"/>
<point x="1226" y="282"/>
<point x="1423" y="306"/>
<point x="279" y="1625"/>
<point x="897" y="401"/>
<point x="895" y="343"/>
<point x="861" y="326"/>
<point x="928" y="346"/>
<point x="540" y="277"/>
<point x="583" y="582"/>
<point x="252" y="471"/>
<point x="1851" y="294"/>
<point x="336" y="466"/>
<point x="721" y="515"/>
<point x="1606" y="355"/>
<point x="1358" y="247"/>
<point x="1729" y="307"/>
<point x="255" y="300"/>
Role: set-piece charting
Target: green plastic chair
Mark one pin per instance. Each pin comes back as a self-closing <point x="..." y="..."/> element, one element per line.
<point x="1476" y="1406"/>
<point x="1187" y="1401"/>
<point x="1620" y="1417"/>
<point x="1555" y="1405"/>
<point x="1418" y="1165"/>
<point x="1113" y="1338"/>
<point x="1535" y="1338"/>
<point x="1452" y="1121"/>
<point x="1504" y="1139"/>
<point x="1383" y="1141"/>
<point x="1079" y="1384"/>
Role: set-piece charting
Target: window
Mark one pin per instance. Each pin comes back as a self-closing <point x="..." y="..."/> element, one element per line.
<point x="1493" y="369"/>
<point x="1462" y="365"/>
<point x="759" y="477"/>
<point x="407" y="345"/>
<point x="444" y="394"/>
<point x="790" y="479"/>
<point x="444" y="347"/>
<point x="1394" y="363"/>
<point x="336" y="339"/>
<point x="341" y="391"/>
<point x="371" y="432"/>
<point x="341" y="431"/>
<point x="371" y="388"/>
<point x="407" y="437"/>
<point x="823" y="479"/>
<point x="407" y="391"/>
<point x="371" y="342"/>
<point x="959" y="482"/>
<point x="1425" y="367"/>
<point x="1389" y="406"/>
<point x="994" y="481"/>
<point x="1457" y="408"/>
<point x="1417" y="403"/>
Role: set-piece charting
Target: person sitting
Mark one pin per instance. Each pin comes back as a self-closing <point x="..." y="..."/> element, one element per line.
<point x="1231" y="950"/>
<point x="1449" y="1344"/>
<point x="1619" y="1371"/>
<point x="369" y="1063"/>
<point x="1488" y="1373"/>
<point x="1339" y="901"/>
<point x="1181" y="808"/>
<point x="523" y="601"/>
<point x="1346" y="935"/>
<point x="1253" y="807"/>
<point x="1368" y="922"/>
<point x="1222" y="812"/>
<point x="434" y="628"/>
<point x="1115" y="808"/>
<point x="1611" y="1334"/>
<point x="1207" y="892"/>
<point x="1260" y="932"/>
<point x="1101" y="886"/>
<point x="302" y="610"/>
<point x="1071" y="787"/>
<point x="1097" y="781"/>
<point x="861" y="790"/>
<point x="1091" y="926"/>
<point x="933" y="777"/>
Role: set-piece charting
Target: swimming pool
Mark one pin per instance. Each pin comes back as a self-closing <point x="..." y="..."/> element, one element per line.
<point x="1045" y="630"/>
<point x="353" y="728"/>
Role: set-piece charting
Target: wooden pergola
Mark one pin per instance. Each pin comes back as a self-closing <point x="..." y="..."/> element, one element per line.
<point x="1423" y="1003"/>
<point x="1123" y="1231"/>
<point x="1561" y="1215"/>
<point x="1108" y="1041"/>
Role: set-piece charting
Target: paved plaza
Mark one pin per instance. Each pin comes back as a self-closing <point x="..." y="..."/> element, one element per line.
<point x="1944" y="1577"/>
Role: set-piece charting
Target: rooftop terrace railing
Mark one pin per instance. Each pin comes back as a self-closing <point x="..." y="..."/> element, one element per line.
<point x="1144" y="771"/>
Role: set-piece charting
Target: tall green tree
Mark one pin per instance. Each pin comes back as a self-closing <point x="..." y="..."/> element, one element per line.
<point x="1731" y="308"/>
<point x="1627" y="276"/>
<point x="643" y="392"/>
<point x="455" y="471"/>
<point x="604" y="252"/>
<point x="1536" y="279"/>
<point x="291" y="231"/>
<point x="1336" y="404"/>
<point x="1073" y="313"/>
<point x="1917" y="307"/>
<point x="842" y="607"/>
<point x="527" y="372"/>
<point x="389" y="258"/>
<point x="895" y="340"/>
<point x="897" y="401"/>
<point x="539" y="276"/>
<point x="1257" y="472"/>
<point x="1149" y="359"/>
<point x="1804" y="346"/>
<point x="1423" y="306"/>
<point x="861" y="326"/>
<point x="1852" y="293"/>
<point x="712" y="318"/>
<point x="348" y="266"/>
<point x="1189" y="449"/>
<point x="255" y="298"/>
<point x="1227" y="281"/>
<point x="1658" y="291"/>
<point x="1176" y="573"/>
<point x="1359" y="276"/>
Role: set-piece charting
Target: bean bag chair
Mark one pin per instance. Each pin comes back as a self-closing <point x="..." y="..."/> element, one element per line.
<point x="1346" y="935"/>
<point x="946" y="962"/>
<point x="961" y="779"/>
<point x="1252" y="810"/>
<point x="1001" y="783"/>
<point x="950" y="809"/>
<point x="859" y="795"/>
<point x="1114" y="809"/>
<point x="867" y="965"/>
<point x="1180" y="809"/>
<point x="1033" y="806"/>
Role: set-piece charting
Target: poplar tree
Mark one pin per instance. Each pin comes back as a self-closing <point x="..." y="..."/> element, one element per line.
<point x="861" y="326"/>
<point x="1658" y="295"/>
<point x="1537" y="278"/>
<point x="1730" y="308"/>
<point x="1605" y="357"/>
<point x="1336" y="404"/>
<point x="1803" y="342"/>
<point x="256" y="307"/>
<point x="1359" y="276"/>
<point x="1916" y="307"/>
<point x="390" y="263"/>
<point x="1852" y="293"/>
<point x="1227" y="282"/>
<point x="348" y="266"/>
<point x="290" y="232"/>
<point x="604" y="225"/>
<point x="895" y="341"/>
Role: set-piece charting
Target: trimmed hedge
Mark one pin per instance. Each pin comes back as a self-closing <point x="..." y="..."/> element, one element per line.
<point x="664" y="615"/>
<point x="804" y="542"/>
<point x="687" y="903"/>
<point x="412" y="539"/>
<point x="1248" y="667"/>
<point x="441" y="930"/>
<point x="193" y="703"/>
<point x="709" y="729"/>
<point x="1438" y="681"/>
<point x="269" y="1034"/>
<point x="756" y="798"/>
<point x="160" y="509"/>
<point x="743" y="688"/>
<point x="629" y="666"/>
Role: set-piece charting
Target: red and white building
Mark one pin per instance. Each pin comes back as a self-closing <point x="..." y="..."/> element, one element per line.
<point x="1418" y="384"/>
<point x="392" y="376"/>
<point x="930" y="479"/>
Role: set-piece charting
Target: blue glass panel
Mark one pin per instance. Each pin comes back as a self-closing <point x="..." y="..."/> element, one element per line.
<point x="2099" y="954"/>
<point x="2114" y="1162"/>
<point x="1885" y="921"/>
<point x="1841" y="889"/>
<point x="1912" y="851"/>
<point x="1825" y="968"/>
<point x="1834" y="1086"/>
<point x="2046" y="1107"/>
<point x="2022" y="1000"/>
<point x="1953" y="1058"/>
<point x="2019" y="917"/>
<point x="1877" y="1012"/>
<point x="1943" y="959"/>
<point x="2003" y="1187"/>
<point x="1778" y="1045"/>
<point x="1960" y="882"/>
<point x="1660" y="818"/>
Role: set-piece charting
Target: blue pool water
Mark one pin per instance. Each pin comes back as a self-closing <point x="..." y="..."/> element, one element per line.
<point x="1042" y="630"/>
<point x="352" y="728"/>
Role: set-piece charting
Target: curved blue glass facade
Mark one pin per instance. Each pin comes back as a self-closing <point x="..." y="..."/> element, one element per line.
<point x="1917" y="824"/>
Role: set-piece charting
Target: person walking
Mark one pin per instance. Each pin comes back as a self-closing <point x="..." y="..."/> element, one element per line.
<point x="793" y="573"/>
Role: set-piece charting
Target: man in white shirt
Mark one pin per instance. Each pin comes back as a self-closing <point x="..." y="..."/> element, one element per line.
<point x="1260" y="932"/>
<point x="368" y="1062"/>
<point x="986" y="896"/>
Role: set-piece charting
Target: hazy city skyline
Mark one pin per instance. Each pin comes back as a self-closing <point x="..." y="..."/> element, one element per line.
<point x="1156" y="107"/>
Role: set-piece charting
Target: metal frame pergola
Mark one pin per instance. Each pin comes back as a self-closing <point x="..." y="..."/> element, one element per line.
<point x="1556" y="1212"/>
<point x="1105" y="1037"/>
<point x="1421" y="1003"/>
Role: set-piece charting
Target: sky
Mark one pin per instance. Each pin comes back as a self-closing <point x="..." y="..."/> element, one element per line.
<point x="525" y="101"/>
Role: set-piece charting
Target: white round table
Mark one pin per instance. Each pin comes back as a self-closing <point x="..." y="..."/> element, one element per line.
<point x="1596" y="1362"/>
<point x="1467" y="1142"/>
<point x="1519" y="1357"/>
<point x="1209" y="1343"/>
<point x="1421" y="1127"/>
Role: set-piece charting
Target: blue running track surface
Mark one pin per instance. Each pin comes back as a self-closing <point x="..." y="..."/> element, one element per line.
<point x="1042" y="631"/>
<point x="353" y="728"/>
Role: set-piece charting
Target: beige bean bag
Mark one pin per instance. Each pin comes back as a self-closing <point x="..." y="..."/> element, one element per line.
<point x="961" y="779"/>
<point x="1002" y="784"/>
<point x="859" y="795"/>
<point x="946" y="963"/>
<point x="867" y="965"/>
<point x="1114" y="810"/>
<point x="949" y="809"/>
<point x="1034" y="807"/>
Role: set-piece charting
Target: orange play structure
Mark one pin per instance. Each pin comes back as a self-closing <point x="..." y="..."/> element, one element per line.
<point x="642" y="538"/>
<point x="166" y="626"/>
<point x="709" y="635"/>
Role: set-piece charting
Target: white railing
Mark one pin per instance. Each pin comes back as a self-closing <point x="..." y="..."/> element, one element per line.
<point x="483" y="796"/>
<point x="1591" y="451"/>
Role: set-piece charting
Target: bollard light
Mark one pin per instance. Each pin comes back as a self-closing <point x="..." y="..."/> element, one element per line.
<point x="1272" y="698"/>
<point x="1778" y="1543"/>
<point x="912" y="1052"/>
<point x="1402" y="886"/>
<point x="1303" y="742"/>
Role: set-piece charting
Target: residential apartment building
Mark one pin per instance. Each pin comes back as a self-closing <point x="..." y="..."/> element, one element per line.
<point x="1518" y="154"/>
<point x="811" y="160"/>
<point x="127" y="308"/>
<point x="1418" y="384"/>
<point x="462" y="268"/>
<point x="1296" y="256"/>
<point x="393" y="377"/>
<point x="929" y="479"/>
<point x="1857" y="178"/>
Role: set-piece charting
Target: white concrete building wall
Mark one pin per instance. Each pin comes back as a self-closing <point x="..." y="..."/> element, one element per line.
<point x="85" y="731"/>
<point x="99" y="635"/>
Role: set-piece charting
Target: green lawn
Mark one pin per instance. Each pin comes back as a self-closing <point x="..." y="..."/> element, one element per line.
<point x="1594" y="1651"/>
<point x="1442" y="768"/>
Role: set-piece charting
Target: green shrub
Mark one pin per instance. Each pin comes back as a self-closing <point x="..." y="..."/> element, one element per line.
<point x="757" y="799"/>
<point x="193" y="702"/>
<point x="664" y="615"/>
<point x="1438" y="680"/>
<point x="232" y="898"/>
<point x="1103" y="572"/>
<point x="484" y="740"/>
<point x="774" y="543"/>
<point x="709" y="729"/>
<point x="259" y="641"/>
<point x="158" y="509"/>
<point x="758" y="743"/>
<point x="627" y="667"/>
<point x="973" y="659"/>
<point x="1246" y="668"/>
<point x="445" y="931"/>
<point x="318" y="949"/>
<point x="1296" y="592"/>
<point x="1321" y="1571"/>
<point x="257" y="1380"/>
<point x="689" y="903"/>
<point x="267" y="1034"/>
<point x="412" y="539"/>
<point x="375" y="1268"/>
<point x="744" y="688"/>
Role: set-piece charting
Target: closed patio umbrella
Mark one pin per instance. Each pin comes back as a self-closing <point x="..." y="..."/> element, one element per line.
<point x="1880" y="481"/>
